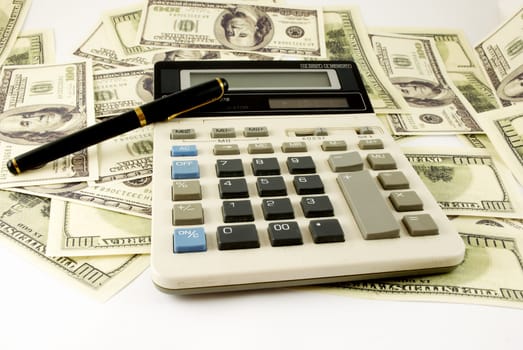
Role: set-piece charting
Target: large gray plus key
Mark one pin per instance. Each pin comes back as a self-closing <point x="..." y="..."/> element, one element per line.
<point x="372" y="214"/>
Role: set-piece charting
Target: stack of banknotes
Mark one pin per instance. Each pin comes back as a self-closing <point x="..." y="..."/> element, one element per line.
<point x="87" y="215"/>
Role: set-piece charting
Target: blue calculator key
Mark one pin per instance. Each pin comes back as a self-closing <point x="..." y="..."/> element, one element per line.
<point x="184" y="151"/>
<point x="189" y="240"/>
<point x="185" y="169"/>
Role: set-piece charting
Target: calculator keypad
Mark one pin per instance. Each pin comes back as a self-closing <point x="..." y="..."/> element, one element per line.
<point x="280" y="185"/>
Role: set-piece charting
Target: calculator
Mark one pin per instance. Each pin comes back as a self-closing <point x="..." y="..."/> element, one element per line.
<point x="290" y="179"/>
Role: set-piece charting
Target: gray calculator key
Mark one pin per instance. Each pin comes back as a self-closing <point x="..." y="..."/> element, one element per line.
<point x="334" y="145"/>
<point x="296" y="146"/>
<point x="228" y="149"/>
<point x="343" y="162"/>
<point x="406" y="201"/>
<point x="371" y="144"/>
<point x="259" y="148"/>
<point x="365" y="130"/>
<point x="223" y="133"/>
<point x="420" y="225"/>
<point x="369" y="208"/>
<point x="181" y="134"/>
<point x="187" y="214"/>
<point x="393" y="180"/>
<point x="184" y="190"/>
<point x="381" y="161"/>
<point x="255" y="131"/>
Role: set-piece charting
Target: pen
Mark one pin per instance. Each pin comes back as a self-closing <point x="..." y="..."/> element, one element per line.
<point x="165" y="108"/>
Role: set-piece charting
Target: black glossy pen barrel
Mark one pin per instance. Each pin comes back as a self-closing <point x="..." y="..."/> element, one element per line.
<point x="164" y="108"/>
<point x="74" y="142"/>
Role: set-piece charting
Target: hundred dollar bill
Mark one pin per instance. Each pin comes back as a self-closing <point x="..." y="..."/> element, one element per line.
<point x="467" y="181"/>
<point x="491" y="274"/>
<point x="39" y="104"/>
<point x="24" y="222"/>
<point x="477" y="141"/>
<point x="505" y="129"/>
<point x="133" y="197"/>
<point x="117" y="91"/>
<point x="121" y="26"/>
<point x="80" y="230"/>
<point x="461" y="63"/>
<point x="501" y="54"/>
<point x="127" y="156"/>
<point x="414" y="67"/>
<point x="99" y="48"/>
<point x="34" y="47"/>
<point x="347" y="39"/>
<point x="12" y="17"/>
<point x="265" y="28"/>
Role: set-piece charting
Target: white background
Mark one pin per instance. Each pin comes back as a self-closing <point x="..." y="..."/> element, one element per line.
<point x="39" y="311"/>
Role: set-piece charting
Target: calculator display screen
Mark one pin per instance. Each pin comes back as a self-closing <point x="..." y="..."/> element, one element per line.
<point x="269" y="87"/>
<point x="267" y="79"/>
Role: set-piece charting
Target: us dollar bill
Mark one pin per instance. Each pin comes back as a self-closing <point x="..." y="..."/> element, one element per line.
<point x="347" y="39"/>
<point x="42" y="103"/>
<point x="461" y="64"/>
<point x="100" y="276"/>
<point x="467" y="181"/>
<point x="80" y="230"/>
<point x="133" y="197"/>
<point x="491" y="274"/>
<point x="121" y="26"/>
<point x="505" y="129"/>
<point x="127" y="156"/>
<point x="118" y="90"/>
<point x="501" y="54"/>
<point x="32" y="47"/>
<point x="414" y="67"/>
<point x="12" y="17"/>
<point x="265" y="28"/>
<point x="99" y="48"/>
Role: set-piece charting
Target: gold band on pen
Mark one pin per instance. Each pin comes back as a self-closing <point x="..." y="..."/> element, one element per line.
<point x="141" y="116"/>
<point x="222" y="86"/>
<point x="15" y="166"/>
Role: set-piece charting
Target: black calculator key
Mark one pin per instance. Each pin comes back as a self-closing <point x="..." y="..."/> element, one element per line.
<point x="229" y="168"/>
<point x="237" y="237"/>
<point x="308" y="184"/>
<point x="319" y="206"/>
<point x="265" y="166"/>
<point x="301" y="165"/>
<point x="284" y="233"/>
<point x="326" y="231"/>
<point x="237" y="211"/>
<point x="271" y="186"/>
<point x="233" y="188"/>
<point x="277" y="209"/>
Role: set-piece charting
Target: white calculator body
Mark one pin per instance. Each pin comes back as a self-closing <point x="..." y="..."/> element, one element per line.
<point x="289" y="180"/>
